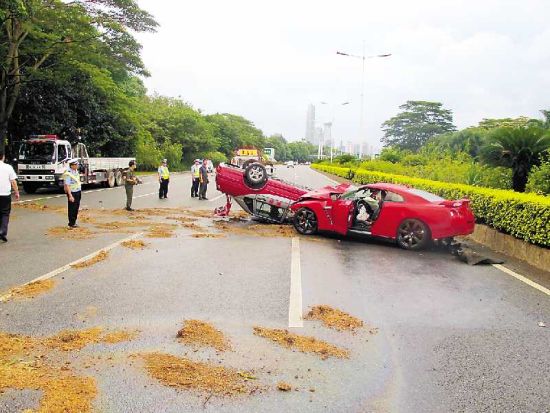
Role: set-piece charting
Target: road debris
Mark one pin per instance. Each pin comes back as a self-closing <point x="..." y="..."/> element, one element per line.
<point x="207" y="235"/>
<point x="135" y="244"/>
<point x="161" y="231"/>
<point x="542" y="324"/>
<point x="259" y="230"/>
<point x="70" y="340"/>
<point x="28" y="291"/>
<point x="22" y="367"/>
<point x="79" y="233"/>
<point x="282" y="386"/>
<point x="304" y="344"/>
<point x="117" y="226"/>
<point x="183" y="373"/>
<point x="334" y="318"/>
<point x="100" y="256"/>
<point x="200" y="333"/>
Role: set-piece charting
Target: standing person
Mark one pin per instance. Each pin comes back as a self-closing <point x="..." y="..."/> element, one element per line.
<point x="73" y="189"/>
<point x="195" y="176"/>
<point x="203" y="178"/>
<point x="8" y="181"/>
<point x="130" y="180"/>
<point x="164" y="179"/>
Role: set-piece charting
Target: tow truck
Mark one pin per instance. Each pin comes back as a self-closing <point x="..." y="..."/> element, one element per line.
<point x="43" y="160"/>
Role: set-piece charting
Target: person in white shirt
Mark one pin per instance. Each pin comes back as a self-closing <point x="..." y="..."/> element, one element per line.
<point x="8" y="181"/>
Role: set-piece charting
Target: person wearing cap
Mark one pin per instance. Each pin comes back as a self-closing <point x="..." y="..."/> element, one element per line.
<point x="164" y="179"/>
<point x="8" y="182"/>
<point x="195" y="177"/>
<point x="203" y="177"/>
<point x="73" y="189"/>
<point x="130" y="180"/>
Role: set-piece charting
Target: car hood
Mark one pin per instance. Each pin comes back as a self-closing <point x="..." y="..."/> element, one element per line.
<point x="324" y="192"/>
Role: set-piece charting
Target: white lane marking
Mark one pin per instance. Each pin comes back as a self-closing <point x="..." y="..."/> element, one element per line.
<point x="295" y="302"/>
<point x="60" y="270"/>
<point x="522" y="278"/>
<point x="215" y="199"/>
<point x="141" y="196"/>
<point x="39" y="199"/>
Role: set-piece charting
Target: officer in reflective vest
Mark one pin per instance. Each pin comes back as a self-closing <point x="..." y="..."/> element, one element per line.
<point x="195" y="174"/>
<point x="73" y="189"/>
<point x="164" y="179"/>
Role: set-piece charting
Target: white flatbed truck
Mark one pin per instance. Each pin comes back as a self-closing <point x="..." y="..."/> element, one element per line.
<point x="43" y="161"/>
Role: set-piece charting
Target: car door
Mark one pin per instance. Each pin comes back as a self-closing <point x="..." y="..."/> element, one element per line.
<point x="341" y="212"/>
<point x="393" y="211"/>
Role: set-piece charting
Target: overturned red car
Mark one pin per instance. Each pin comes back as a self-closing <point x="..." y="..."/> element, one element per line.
<point x="410" y="216"/>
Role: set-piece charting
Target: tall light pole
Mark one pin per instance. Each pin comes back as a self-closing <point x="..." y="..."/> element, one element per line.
<point x="333" y="110"/>
<point x="363" y="57"/>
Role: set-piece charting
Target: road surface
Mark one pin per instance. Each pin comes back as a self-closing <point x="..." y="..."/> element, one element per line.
<point x="439" y="335"/>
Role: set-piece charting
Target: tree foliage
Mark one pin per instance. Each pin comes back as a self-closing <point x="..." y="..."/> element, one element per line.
<point x="418" y="122"/>
<point x="518" y="148"/>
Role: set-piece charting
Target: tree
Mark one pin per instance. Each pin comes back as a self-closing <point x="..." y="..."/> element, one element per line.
<point x="36" y="35"/>
<point x="418" y="122"/>
<point x="518" y="148"/>
<point x="469" y="140"/>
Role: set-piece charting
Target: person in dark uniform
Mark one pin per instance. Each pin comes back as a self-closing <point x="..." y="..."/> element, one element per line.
<point x="130" y="180"/>
<point x="203" y="178"/>
<point x="73" y="189"/>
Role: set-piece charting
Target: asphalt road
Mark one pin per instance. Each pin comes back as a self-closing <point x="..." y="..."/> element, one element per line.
<point x="450" y="338"/>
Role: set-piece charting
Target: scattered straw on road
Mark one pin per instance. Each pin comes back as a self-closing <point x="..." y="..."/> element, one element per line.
<point x="70" y="340"/>
<point x="100" y="256"/>
<point x="161" y="231"/>
<point x="72" y="234"/>
<point x="207" y="235"/>
<point x="135" y="244"/>
<point x="304" y="344"/>
<point x="28" y="291"/>
<point x="334" y="318"/>
<point x="183" y="373"/>
<point x="283" y="386"/>
<point x="258" y="230"/>
<point x="200" y="333"/>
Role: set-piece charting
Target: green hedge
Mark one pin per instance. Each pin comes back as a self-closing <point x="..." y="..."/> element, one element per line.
<point x="525" y="216"/>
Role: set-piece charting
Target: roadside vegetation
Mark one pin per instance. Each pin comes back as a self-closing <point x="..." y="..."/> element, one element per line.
<point x="421" y="142"/>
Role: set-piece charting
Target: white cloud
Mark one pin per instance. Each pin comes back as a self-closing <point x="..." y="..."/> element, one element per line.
<point x="267" y="61"/>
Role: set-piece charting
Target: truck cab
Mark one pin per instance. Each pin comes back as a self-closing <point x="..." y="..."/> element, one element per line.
<point x="42" y="161"/>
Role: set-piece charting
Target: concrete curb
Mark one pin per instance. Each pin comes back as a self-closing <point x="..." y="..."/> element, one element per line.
<point x="509" y="245"/>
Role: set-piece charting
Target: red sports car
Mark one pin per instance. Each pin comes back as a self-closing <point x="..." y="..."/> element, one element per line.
<point x="410" y="216"/>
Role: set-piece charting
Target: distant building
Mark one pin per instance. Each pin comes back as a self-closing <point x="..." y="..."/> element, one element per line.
<point x="327" y="133"/>
<point x="310" y="125"/>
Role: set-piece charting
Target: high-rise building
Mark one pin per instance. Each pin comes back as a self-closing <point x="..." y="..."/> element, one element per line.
<point x="310" y="125"/>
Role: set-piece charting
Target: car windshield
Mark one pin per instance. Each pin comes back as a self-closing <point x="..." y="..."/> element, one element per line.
<point x="353" y="192"/>
<point x="428" y="196"/>
<point x="38" y="151"/>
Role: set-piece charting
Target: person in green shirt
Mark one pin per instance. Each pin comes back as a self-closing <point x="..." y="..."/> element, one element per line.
<point x="130" y="180"/>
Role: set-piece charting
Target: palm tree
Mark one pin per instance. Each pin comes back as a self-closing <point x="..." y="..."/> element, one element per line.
<point x="518" y="148"/>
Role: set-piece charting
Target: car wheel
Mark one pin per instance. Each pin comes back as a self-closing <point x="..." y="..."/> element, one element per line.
<point x="413" y="234"/>
<point x="246" y="164"/>
<point x="305" y="221"/>
<point x="255" y="175"/>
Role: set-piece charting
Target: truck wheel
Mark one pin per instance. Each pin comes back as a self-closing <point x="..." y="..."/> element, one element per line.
<point x="30" y="188"/>
<point x="255" y="175"/>
<point x="111" y="181"/>
<point x="118" y="177"/>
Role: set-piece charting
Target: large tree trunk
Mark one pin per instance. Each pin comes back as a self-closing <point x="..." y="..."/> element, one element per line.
<point x="519" y="179"/>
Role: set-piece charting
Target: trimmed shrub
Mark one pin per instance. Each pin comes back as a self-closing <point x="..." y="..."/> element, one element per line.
<point x="525" y="216"/>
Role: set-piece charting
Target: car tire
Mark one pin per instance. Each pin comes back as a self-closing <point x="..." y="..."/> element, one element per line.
<point x="413" y="235"/>
<point x="305" y="221"/>
<point x="246" y="164"/>
<point x="30" y="188"/>
<point x="255" y="175"/>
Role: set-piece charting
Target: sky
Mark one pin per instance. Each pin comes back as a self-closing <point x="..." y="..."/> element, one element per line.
<point x="267" y="61"/>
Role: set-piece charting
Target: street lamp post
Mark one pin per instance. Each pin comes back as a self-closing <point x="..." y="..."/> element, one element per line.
<point x="363" y="57"/>
<point x="333" y="110"/>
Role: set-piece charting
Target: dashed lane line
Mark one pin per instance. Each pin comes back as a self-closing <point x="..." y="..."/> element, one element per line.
<point x="295" y="301"/>
<point x="522" y="279"/>
<point x="64" y="268"/>
<point x="144" y="195"/>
